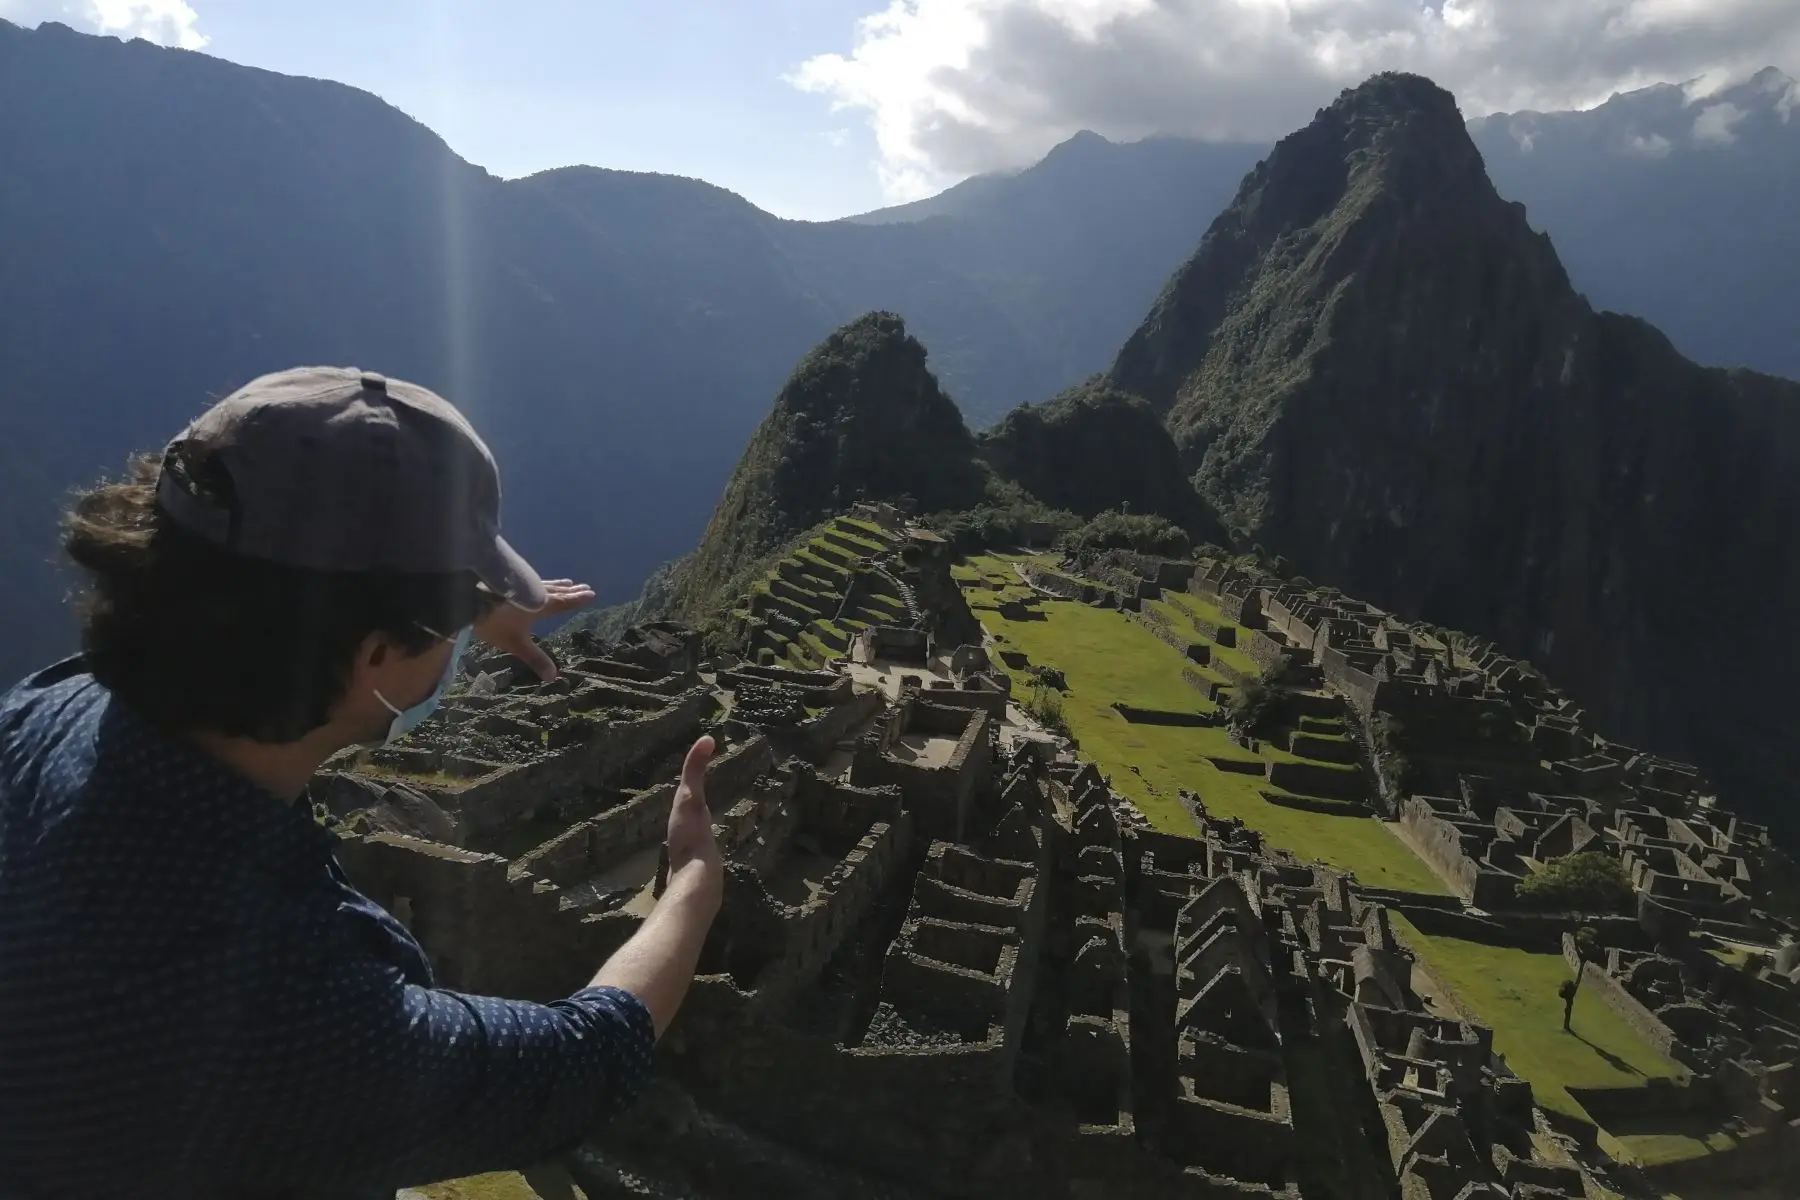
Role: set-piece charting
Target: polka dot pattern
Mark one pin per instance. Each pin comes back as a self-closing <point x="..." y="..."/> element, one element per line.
<point x="195" y="1002"/>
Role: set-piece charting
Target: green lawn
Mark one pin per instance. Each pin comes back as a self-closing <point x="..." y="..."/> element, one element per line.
<point x="1181" y="604"/>
<point x="867" y="529"/>
<point x="860" y="538"/>
<point x="1514" y="992"/>
<point x="1106" y="657"/>
<point x="1650" y="1149"/>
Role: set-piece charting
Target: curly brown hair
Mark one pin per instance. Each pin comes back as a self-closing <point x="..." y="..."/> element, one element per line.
<point x="197" y="638"/>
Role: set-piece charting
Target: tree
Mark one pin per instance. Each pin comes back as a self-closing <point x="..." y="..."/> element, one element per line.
<point x="1257" y="707"/>
<point x="1591" y="882"/>
<point x="1045" y="705"/>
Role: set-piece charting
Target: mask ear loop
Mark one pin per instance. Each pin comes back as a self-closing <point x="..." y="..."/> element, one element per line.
<point x="385" y="702"/>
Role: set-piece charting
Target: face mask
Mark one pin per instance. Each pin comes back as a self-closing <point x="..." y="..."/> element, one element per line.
<point x="406" y="720"/>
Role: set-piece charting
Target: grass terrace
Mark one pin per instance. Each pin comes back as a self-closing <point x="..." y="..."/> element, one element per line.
<point x="991" y="580"/>
<point x="813" y="596"/>
<point x="1183" y="607"/>
<point x="1106" y="657"/>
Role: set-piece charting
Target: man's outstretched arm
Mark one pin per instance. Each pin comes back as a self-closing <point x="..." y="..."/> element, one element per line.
<point x="657" y="964"/>
<point x="345" y="1077"/>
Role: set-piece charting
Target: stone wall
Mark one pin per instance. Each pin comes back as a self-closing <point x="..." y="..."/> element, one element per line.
<point x="1067" y="587"/>
<point x="940" y="797"/>
<point x="847" y="894"/>
<point x="485" y="933"/>
<point x="515" y="794"/>
<point x="1441" y="843"/>
<point x="991" y="701"/>
<point x="820" y="689"/>
<point x="940" y="1117"/>
<point x="1636" y="1015"/>
<point x="590" y="846"/>
<point x="829" y="728"/>
<point x="1356" y="685"/>
<point x="1267" y="651"/>
<point x="1199" y="653"/>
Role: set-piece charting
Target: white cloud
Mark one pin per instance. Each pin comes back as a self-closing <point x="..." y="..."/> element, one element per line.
<point x="1716" y="123"/>
<point x="1653" y="146"/>
<point x="954" y="87"/>
<point x="166" y="22"/>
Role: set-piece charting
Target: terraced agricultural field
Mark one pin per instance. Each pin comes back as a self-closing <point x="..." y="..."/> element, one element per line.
<point x="1105" y="656"/>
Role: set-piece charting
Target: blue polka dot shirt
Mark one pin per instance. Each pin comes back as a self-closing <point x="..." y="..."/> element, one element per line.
<point x="194" y="1002"/>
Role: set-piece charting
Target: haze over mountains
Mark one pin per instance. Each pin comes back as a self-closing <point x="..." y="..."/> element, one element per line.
<point x="174" y="225"/>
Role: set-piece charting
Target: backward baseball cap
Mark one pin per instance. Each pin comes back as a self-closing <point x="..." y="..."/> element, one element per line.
<point x="339" y="469"/>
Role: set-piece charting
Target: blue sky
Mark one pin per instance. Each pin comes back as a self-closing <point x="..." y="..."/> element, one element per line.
<point x="690" y="87"/>
<point x="694" y="87"/>
<point x="822" y="108"/>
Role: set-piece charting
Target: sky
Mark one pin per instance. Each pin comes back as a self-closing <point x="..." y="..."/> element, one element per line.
<point x="821" y="108"/>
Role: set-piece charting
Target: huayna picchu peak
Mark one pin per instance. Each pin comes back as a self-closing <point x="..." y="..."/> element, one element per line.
<point x="861" y="418"/>
<point x="1377" y="369"/>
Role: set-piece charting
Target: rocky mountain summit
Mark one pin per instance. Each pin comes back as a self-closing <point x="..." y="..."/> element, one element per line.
<point x="1377" y="369"/>
<point x="861" y="418"/>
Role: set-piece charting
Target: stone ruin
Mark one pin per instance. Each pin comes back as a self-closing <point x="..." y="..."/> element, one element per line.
<point x="953" y="961"/>
<point x="1492" y="774"/>
<point x="1491" y="770"/>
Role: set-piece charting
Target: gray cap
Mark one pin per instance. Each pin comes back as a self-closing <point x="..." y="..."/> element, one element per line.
<point x="336" y="469"/>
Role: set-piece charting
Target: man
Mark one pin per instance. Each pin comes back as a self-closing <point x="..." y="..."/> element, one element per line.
<point x="1565" y="991"/>
<point x="194" y="1002"/>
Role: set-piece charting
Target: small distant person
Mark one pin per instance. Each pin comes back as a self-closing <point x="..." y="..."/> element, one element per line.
<point x="1566" y="993"/>
<point x="194" y="1000"/>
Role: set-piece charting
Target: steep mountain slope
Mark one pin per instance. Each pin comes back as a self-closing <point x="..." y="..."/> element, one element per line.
<point x="861" y="418"/>
<point x="1377" y="369"/>
<point x="1677" y="209"/>
<point x="1094" y="448"/>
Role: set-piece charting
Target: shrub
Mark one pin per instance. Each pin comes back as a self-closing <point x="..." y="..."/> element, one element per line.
<point x="1143" y="533"/>
<point x="1045" y="705"/>
<point x="1260" y="706"/>
<point x="1590" y="883"/>
<point x="998" y="523"/>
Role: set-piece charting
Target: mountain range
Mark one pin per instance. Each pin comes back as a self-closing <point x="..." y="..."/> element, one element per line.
<point x="174" y="225"/>
<point x="1382" y="371"/>
<point x="1376" y="370"/>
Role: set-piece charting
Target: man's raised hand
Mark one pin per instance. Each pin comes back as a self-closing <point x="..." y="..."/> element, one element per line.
<point x="695" y="866"/>
<point x="508" y="627"/>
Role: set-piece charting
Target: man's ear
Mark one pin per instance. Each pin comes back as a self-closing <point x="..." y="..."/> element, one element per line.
<point x="372" y="653"/>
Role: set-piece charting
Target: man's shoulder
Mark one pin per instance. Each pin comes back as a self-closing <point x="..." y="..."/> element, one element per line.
<point x="60" y="690"/>
<point x="49" y="724"/>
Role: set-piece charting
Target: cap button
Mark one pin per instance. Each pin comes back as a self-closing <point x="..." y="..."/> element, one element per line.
<point x="374" y="382"/>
